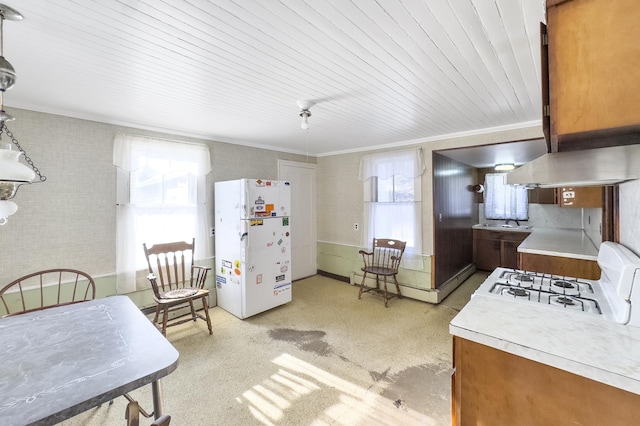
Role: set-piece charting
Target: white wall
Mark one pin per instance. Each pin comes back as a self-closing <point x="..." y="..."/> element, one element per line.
<point x="340" y="193"/>
<point x="70" y="220"/>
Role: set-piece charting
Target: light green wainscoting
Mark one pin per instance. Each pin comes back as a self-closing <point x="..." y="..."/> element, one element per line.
<point x="144" y="298"/>
<point x="106" y="286"/>
<point x="344" y="261"/>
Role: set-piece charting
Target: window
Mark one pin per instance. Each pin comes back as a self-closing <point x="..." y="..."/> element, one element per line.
<point x="160" y="198"/>
<point x="396" y="189"/>
<point x="503" y="201"/>
<point x="393" y="207"/>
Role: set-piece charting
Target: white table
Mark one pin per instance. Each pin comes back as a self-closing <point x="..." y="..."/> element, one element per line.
<point x="59" y="362"/>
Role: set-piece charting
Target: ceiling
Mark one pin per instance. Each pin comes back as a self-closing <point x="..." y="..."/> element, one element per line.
<point x="377" y="72"/>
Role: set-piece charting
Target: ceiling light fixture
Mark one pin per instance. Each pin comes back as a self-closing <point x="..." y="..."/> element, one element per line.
<point x="505" y="167"/>
<point x="304" y="113"/>
<point x="12" y="172"/>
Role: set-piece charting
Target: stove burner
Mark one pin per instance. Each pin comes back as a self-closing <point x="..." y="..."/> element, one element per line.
<point x="517" y="291"/>
<point x="563" y="284"/>
<point x="565" y="300"/>
<point x="523" y="277"/>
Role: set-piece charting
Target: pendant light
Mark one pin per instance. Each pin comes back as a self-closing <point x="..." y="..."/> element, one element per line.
<point x="13" y="173"/>
<point x="304" y="113"/>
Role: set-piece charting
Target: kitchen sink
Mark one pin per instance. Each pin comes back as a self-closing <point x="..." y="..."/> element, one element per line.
<point x="506" y="227"/>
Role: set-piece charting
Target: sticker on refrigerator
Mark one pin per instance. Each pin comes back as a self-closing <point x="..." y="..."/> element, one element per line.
<point x="220" y="280"/>
<point x="280" y="278"/>
<point x="227" y="264"/>
<point x="285" y="221"/>
<point x="281" y="288"/>
<point x="257" y="222"/>
<point x="284" y="269"/>
<point x="259" y="279"/>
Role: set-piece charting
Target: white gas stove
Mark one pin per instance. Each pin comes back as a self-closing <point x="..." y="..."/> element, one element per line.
<point x="615" y="296"/>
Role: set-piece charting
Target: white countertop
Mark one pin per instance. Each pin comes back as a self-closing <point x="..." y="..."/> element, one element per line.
<point x="563" y="242"/>
<point x="582" y="344"/>
<point x="503" y="228"/>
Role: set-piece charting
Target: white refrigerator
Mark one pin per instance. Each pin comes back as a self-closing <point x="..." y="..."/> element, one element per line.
<point x="253" y="245"/>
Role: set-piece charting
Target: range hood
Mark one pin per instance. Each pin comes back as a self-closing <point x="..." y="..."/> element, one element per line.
<point x="589" y="167"/>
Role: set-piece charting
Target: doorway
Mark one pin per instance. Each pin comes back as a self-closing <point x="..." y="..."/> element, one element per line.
<point x="304" y="232"/>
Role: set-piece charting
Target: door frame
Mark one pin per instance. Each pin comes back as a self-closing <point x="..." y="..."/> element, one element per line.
<point x="282" y="164"/>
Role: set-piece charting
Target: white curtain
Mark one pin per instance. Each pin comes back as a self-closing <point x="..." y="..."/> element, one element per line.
<point x="384" y="165"/>
<point x="148" y="213"/>
<point x="398" y="220"/>
<point x="503" y="201"/>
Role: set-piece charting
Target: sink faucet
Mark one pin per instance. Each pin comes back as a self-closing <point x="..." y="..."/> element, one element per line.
<point x="506" y="222"/>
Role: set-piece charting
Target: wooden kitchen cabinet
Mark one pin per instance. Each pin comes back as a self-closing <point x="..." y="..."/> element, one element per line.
<point x="542" y="196"/>
<point x="580" y="197"/>
<point x="492" y="387"/>
<point x="593" y="73"/>
<point x="560" y="266"/>
<point x="493" y="248"/>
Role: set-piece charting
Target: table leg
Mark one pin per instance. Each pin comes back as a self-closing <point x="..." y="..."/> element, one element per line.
<point x="156" y="390"/>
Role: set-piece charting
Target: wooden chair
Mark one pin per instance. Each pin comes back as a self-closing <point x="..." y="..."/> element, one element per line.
<point x="181" y="282"/>
<point x="383" y="260"/>
<point x="132" y="415"/>
<point x="46" y="289"/>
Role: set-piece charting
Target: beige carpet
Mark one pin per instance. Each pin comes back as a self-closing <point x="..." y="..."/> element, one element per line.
<point x="326" y="358"/>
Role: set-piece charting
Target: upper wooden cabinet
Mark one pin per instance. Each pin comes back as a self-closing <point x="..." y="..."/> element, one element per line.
<point x="593" y="73"/>
<point x="582" y="197"/>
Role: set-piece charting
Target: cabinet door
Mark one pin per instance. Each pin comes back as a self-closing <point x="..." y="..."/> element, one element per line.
<point x="593" y="73"/>
<point x="509" y="254"/>
<point x="486" y="249"/>
<point x="580" y="197"/>
<point x="542" y="196"/>
<point x="487" y="254"/>
<point x="492" y="249"/>
<point x="493" y="387"/>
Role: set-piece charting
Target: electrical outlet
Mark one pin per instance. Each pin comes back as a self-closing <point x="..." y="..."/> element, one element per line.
<point x="212" y="232"/>
<point x="356" y="226"/>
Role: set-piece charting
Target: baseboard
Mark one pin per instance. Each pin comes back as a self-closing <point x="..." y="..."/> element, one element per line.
<point x="149" y="311"/>
<point x="428" y="295"/>
<point x="334" y="276"/>
<point x="454" y="282"/>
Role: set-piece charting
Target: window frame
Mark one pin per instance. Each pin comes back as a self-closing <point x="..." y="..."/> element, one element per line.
<point x="189" y="161"/>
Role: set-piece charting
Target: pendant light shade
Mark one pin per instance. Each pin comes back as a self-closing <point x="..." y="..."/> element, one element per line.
<point x="13" y="173"/>
<point x="7" y="208"/>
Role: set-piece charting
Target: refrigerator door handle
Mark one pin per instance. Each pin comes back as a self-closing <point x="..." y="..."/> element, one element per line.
<point x="244" y="232"/>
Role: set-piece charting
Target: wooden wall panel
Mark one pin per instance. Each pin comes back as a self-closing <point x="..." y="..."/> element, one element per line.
<point x="456" y="211"/>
